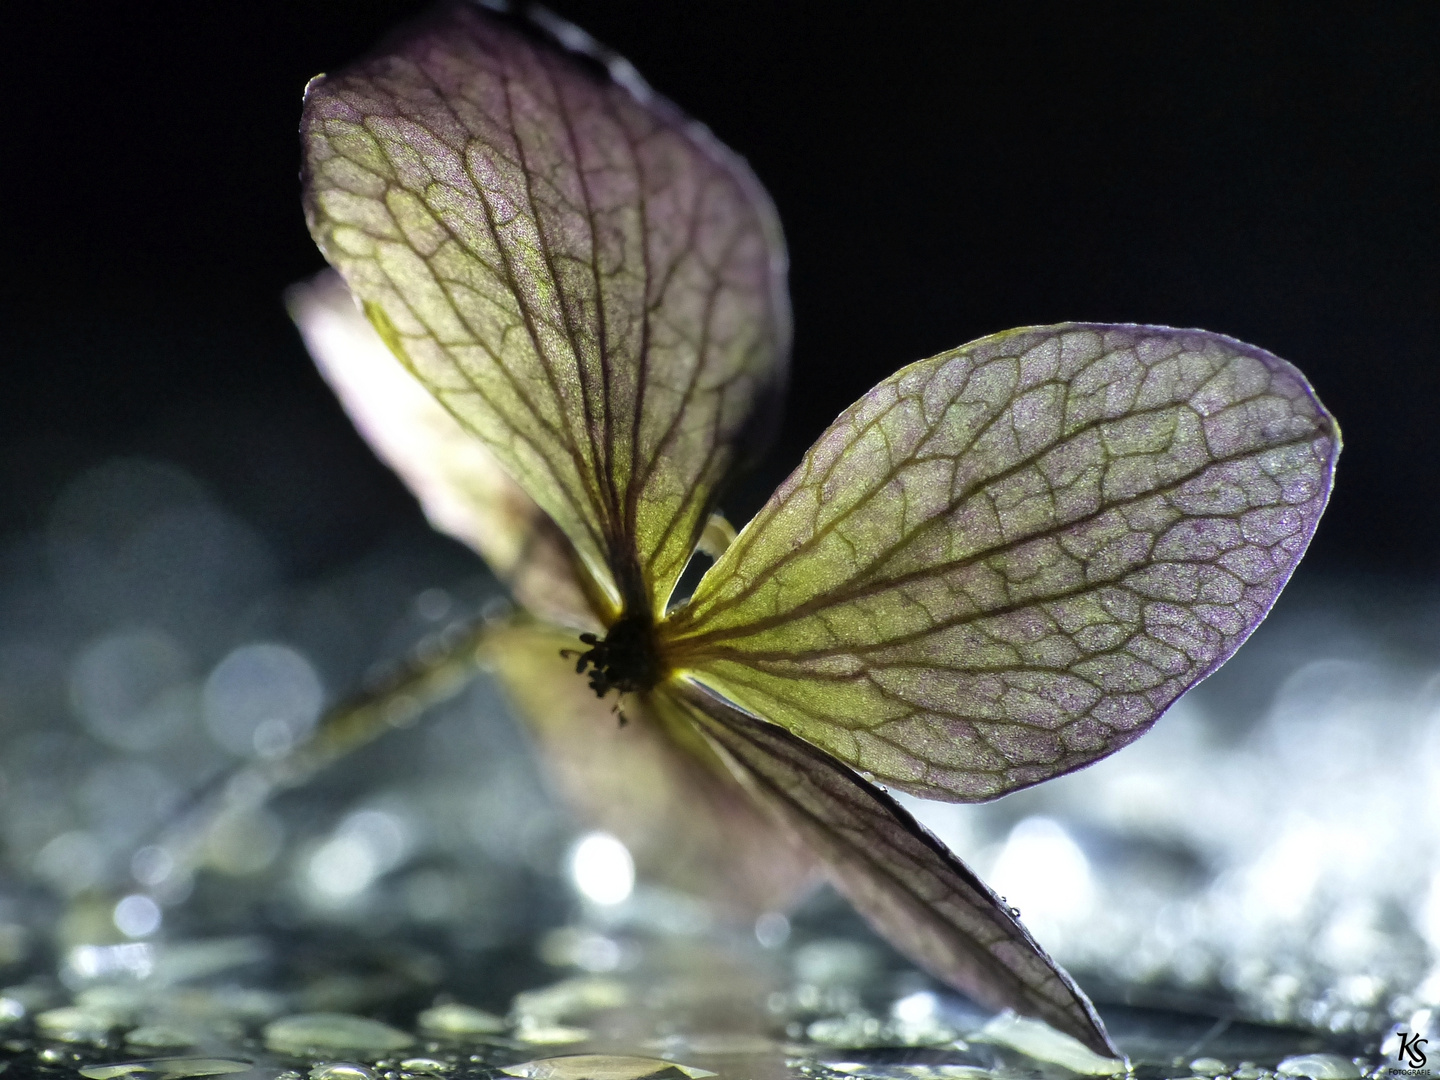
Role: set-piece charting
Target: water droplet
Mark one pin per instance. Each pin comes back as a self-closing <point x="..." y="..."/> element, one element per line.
<point x="161" y="1037"/>
<point x="1039" y="1040"/>
<point x="174" y="1068"/>
<point x="454" y="1020"/>
<point x="1319" y="1067"/>
<point x="317" y="1033"/>
<point x="341" y="1070"/>
<point x="110" y="1072"/>
<point x="72" y="1024"/>
<point x="541" y="1034"/>
<point x="430" y="1066"/>
<point x="569" y="998"/>
<point x="603" y="1067"/>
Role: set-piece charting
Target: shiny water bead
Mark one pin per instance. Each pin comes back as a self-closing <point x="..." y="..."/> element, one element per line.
<point x="570" y="998"/>
<point x="1319" y="1067"/>
<point x="341" y="1070"/>
<point x="1044" y="1043"/>
<point x="454" y="1020"/>
<point x="308" y="1033"/>
<point x="71" y="1023"/>
<point x="174" y="1068"/>
<point x="543" y="1034"/>
<point x="604" y="1067"/>
<point x="160" y="1037"/>
<point x="426" y="1066"/>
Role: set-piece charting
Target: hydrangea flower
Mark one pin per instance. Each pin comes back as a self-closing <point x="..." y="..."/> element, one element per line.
<point x="999" y="565"/>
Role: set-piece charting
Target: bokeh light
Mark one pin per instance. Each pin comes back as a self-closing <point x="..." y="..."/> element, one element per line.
<point x="602" y="869"/>
<point x="262" y="700"/>
<point x="137" y="916"/>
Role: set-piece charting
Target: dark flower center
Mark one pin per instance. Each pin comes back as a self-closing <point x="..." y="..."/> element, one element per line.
<point x="625" y="660"/>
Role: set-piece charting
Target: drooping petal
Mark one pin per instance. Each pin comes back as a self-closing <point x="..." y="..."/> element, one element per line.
<point x="652" y="782"/>
<point x="462" y="488"/>
<point x="1006" y="561"/>
<point x="914" y="891"/>
<point x="585" y="278"/>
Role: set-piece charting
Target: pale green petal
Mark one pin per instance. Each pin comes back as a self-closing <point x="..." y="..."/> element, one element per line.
<point x="1006" y="561"/>
<point x="586" y="279"/>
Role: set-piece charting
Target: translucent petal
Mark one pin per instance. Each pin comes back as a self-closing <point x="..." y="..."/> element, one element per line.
<point x="462" y="488"/>
<point x="1006" y="561"/>
<point x="917" y="894"/>
<point x="585" y="278"/>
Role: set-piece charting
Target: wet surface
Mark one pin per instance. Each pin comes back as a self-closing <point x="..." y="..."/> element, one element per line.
<point x="1251" y="891"/>
<point x="680" y="1006"/>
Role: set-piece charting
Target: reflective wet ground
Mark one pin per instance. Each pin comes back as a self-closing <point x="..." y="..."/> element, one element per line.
<point x="676" y="1003"/>
<point x="1253" y="889"/>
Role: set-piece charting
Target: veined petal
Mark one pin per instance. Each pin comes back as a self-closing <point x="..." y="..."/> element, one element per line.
<point x="461" y="486"/>
<point x="914" y="891"/>
<point x="587" y="280"/>
<point x="1006" y="561"/>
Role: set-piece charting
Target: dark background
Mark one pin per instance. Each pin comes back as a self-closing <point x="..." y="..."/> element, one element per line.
<point x="943" y="171"/>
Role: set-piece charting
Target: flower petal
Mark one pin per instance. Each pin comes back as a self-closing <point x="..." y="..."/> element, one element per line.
<point x="914" y="891"/>
<point x="585" y="278"/>
<point x="461" y="486"/>
<point x="1006" y="561"/>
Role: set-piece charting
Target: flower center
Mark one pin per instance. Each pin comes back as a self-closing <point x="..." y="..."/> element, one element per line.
<point x="625" y="660"/>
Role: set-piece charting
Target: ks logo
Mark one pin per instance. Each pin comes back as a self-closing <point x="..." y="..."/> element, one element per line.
<point x="1410" y="1052"/>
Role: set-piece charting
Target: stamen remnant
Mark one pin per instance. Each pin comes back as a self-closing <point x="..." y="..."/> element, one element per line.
<point x="625" y="660"/>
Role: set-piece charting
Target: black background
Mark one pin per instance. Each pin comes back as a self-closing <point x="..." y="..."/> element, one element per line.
<point x="943" y="171"/>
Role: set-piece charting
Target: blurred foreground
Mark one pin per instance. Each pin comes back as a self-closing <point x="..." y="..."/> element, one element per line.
<point x="1254" y="885"/>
